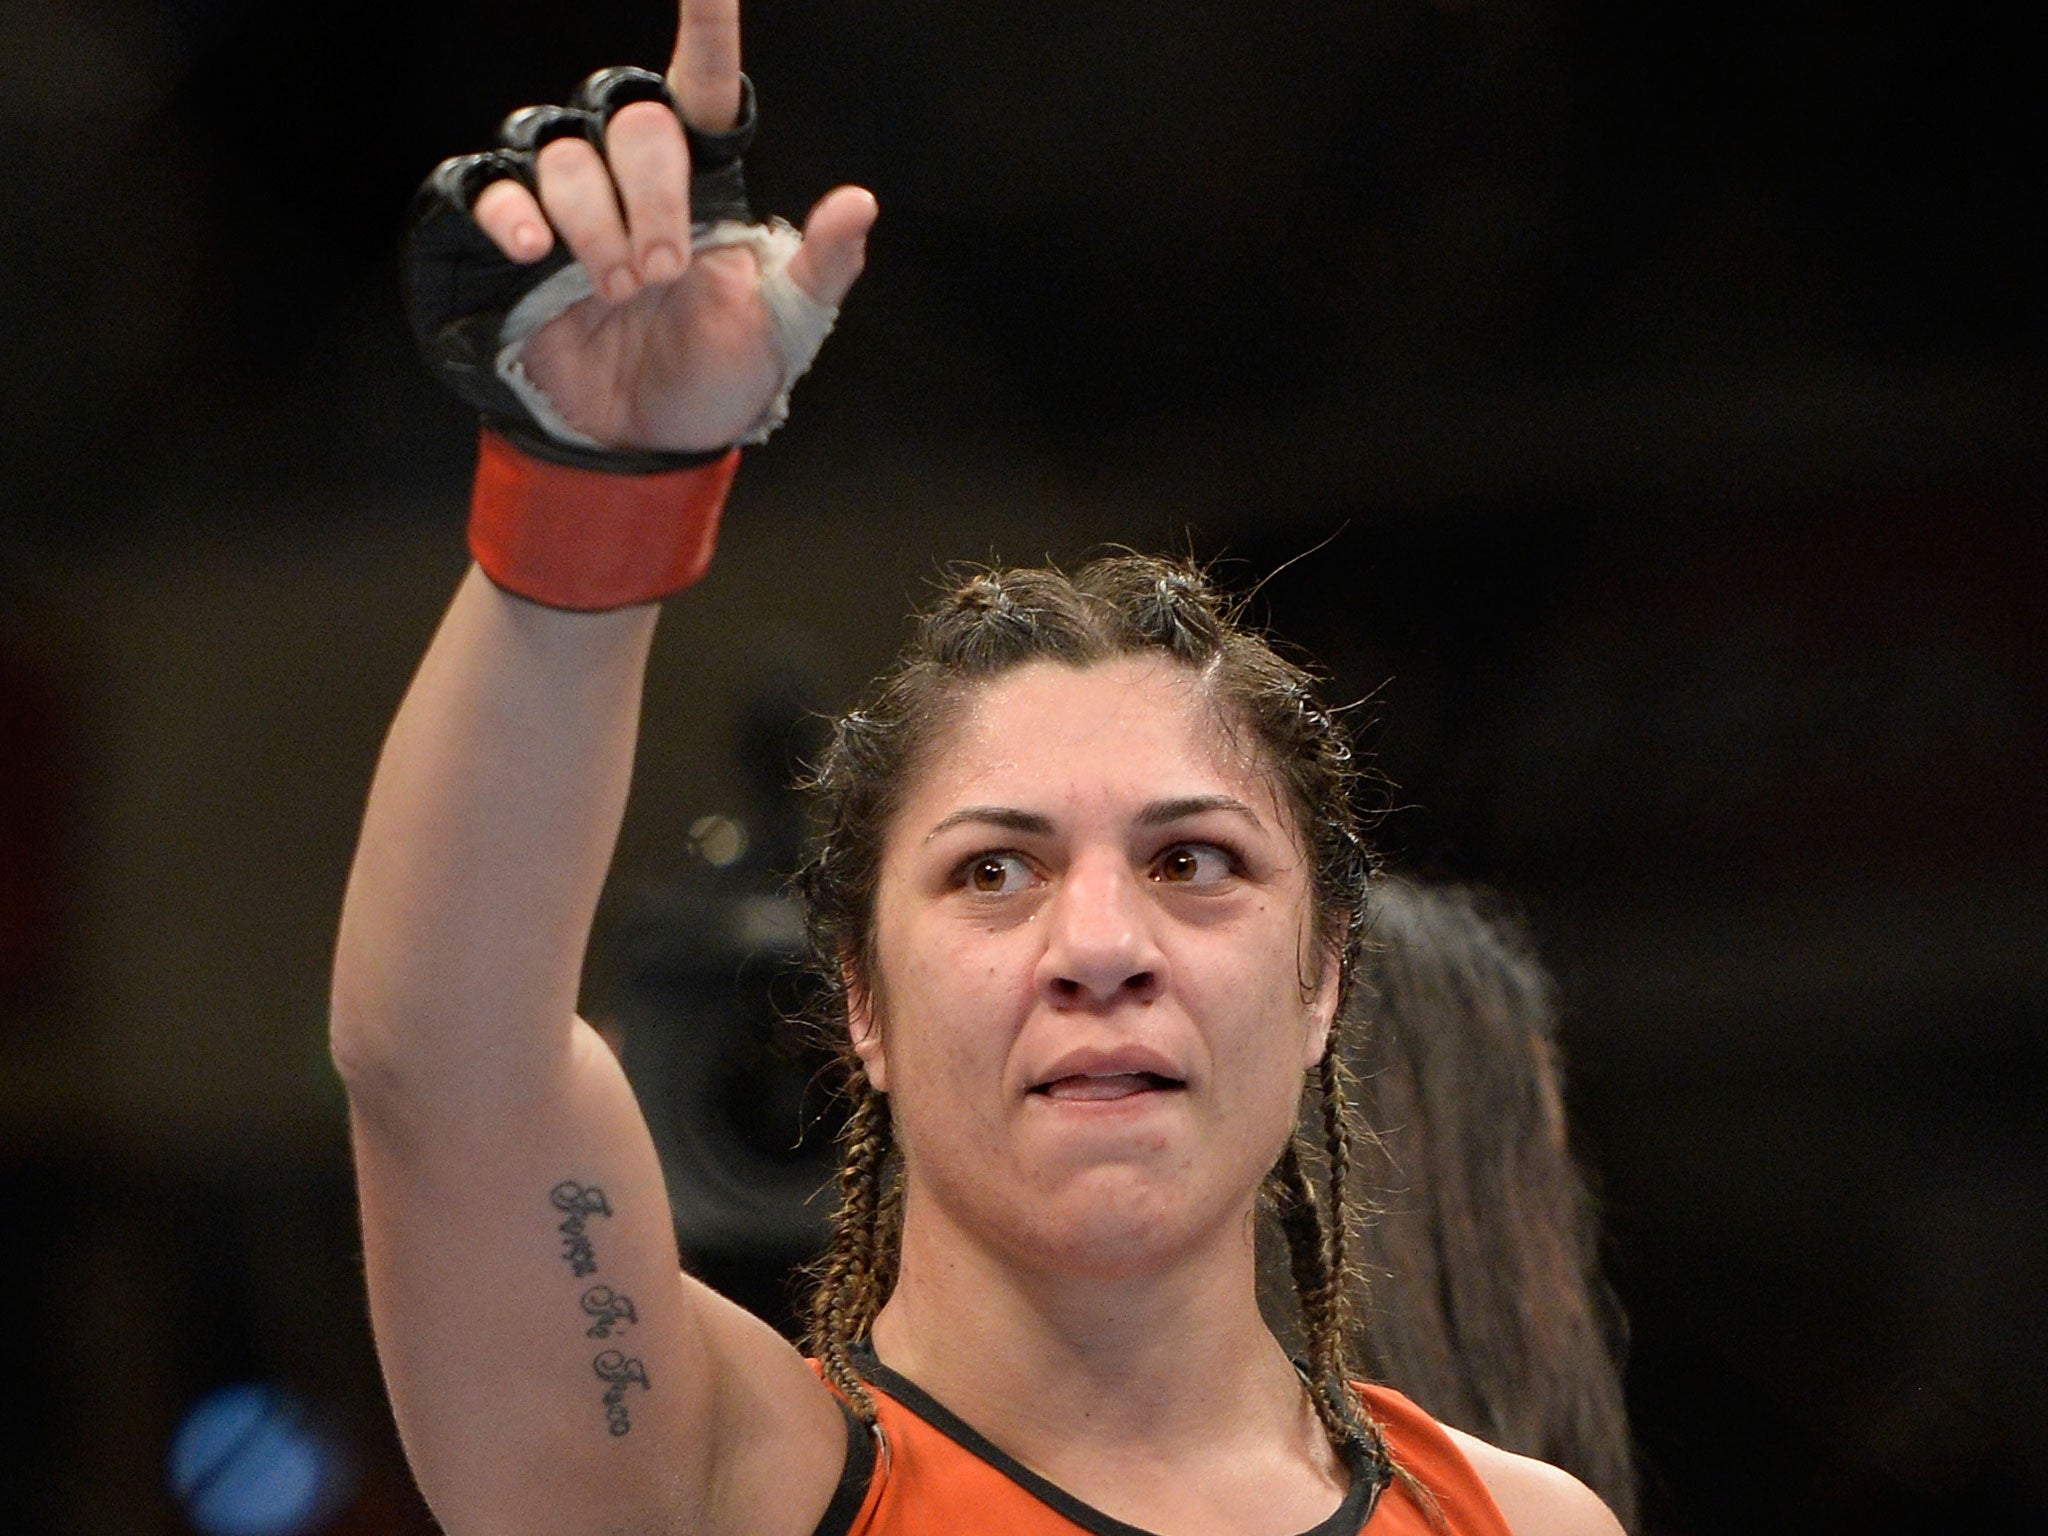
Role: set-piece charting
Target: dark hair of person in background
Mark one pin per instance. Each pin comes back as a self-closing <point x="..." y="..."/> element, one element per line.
<point x="1487" y="1304"/>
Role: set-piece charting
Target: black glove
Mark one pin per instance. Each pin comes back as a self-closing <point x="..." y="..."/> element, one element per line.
<point x="459" y="286"/>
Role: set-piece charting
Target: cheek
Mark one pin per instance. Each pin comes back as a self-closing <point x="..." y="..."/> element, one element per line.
<point x="955" y="1014"/>
<point x="1267" y="1048"/>
<point x="942" y="1006"/>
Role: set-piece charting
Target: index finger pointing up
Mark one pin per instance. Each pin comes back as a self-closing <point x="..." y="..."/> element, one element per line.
<point x="705" y="71"/>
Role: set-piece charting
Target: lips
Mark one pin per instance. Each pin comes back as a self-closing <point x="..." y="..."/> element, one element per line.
<point x="1104" y="1072"/>
<point x="1109" y="1071"/>
<point x="1097" y="1087"/>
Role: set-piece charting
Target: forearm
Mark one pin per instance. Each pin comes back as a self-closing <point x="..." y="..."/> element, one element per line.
<point x="490" y="825"/>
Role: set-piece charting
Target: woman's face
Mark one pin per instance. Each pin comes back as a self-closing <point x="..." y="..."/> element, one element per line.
<point x="1097" y="988"/>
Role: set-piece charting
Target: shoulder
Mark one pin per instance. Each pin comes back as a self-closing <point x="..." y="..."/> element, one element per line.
<point x="1536" y="1498"/>
<point x="1480" y="1487"/>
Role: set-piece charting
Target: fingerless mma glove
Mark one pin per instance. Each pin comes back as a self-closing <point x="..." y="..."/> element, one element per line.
<point x="557" y="517"/>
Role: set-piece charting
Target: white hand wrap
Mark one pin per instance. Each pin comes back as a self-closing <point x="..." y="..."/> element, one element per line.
<point x="798" y="323"/>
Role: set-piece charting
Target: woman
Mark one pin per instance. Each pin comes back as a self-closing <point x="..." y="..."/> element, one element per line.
<point x="1487" y="1305"/>
<point x="1087" y="912"/>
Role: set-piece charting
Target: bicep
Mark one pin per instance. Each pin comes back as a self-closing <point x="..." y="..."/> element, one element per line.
<point x="550" y="1367"/>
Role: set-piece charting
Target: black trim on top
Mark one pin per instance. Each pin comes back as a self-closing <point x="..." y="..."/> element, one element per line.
<point x="854" y="1477"/>
<point x="1368" y="1477"/>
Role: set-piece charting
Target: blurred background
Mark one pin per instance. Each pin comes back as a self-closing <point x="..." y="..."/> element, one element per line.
<point x="1660" y="390"/>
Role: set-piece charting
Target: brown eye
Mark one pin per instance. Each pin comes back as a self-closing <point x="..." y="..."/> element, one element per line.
<point x="995" y="874"/>
<point x="1192" y="864"/>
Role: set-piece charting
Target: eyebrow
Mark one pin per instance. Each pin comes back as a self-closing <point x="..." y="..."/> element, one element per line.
<point x="994" y="816"/>
<point x="1158" y="814"/>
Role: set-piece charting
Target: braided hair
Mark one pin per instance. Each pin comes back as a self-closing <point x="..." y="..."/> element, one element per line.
<point x="991" y="622"/>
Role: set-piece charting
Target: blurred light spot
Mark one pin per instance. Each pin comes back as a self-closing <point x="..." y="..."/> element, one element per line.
<point x="719" y="840"/>
<point x="247" y="1462"/>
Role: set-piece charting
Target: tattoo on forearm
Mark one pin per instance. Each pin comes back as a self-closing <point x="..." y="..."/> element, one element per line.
<point x="618" y="1373"/>
<point x="580" y="1202"/>
<point x="609" y="1311"/>
<point x="609" y="1308"/>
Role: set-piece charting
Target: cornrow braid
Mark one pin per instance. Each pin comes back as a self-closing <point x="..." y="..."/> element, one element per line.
<point x="854" y="1276"/>
<point x="1294" y="1198"/>
<point x="1315" y="1258"/>
<point x="1337" y="1229"/>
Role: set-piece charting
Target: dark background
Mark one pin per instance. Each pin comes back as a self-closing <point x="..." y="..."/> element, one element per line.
<point x="1661" y="392"/>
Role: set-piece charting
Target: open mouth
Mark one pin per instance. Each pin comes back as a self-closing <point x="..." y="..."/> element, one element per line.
<point x="1088" y="1087"/>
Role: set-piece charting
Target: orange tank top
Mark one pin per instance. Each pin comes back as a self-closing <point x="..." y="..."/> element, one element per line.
<point x="926" y="1473"/>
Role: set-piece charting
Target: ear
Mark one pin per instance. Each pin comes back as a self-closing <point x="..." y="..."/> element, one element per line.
<point x="864" y="1031"/>
<point x="1322" y="1011"/>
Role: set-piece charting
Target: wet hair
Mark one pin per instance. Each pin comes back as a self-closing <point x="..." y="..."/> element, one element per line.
<point x="1487" y="1304"/>
<point x="989" y="623"/>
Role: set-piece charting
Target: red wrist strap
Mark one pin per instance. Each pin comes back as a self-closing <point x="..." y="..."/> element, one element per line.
<point x="591" y="540"/>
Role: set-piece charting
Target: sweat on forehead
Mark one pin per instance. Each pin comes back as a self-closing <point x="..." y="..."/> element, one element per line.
<point x="1147" y="726"/>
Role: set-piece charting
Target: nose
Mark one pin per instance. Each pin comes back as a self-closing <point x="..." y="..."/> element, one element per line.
<point x="1100" y="948"/>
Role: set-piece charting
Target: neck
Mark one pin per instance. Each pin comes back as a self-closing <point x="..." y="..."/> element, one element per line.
<point x="1025" y="1352"/>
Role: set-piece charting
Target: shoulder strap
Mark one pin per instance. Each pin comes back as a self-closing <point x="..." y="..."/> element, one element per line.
<point x="854" y="1477"/>
<point x="1430" y="1461"/>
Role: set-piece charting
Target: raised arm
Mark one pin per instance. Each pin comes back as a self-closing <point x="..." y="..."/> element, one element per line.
<point x="550" y="1368"/>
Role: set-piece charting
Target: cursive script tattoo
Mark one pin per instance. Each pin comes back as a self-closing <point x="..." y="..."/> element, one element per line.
<point x="609" y="1308"/>
<point x="581" y="1202"/>
<point x="618" y="1372"/>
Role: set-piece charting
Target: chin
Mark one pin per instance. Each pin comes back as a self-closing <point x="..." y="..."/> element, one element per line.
<point x="1108" y="1225"/>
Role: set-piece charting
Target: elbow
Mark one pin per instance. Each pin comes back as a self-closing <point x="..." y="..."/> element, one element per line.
<point x="418" y="1058"/>
<point x="359" y="1043"/>
<point x="380" y="1039"/>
